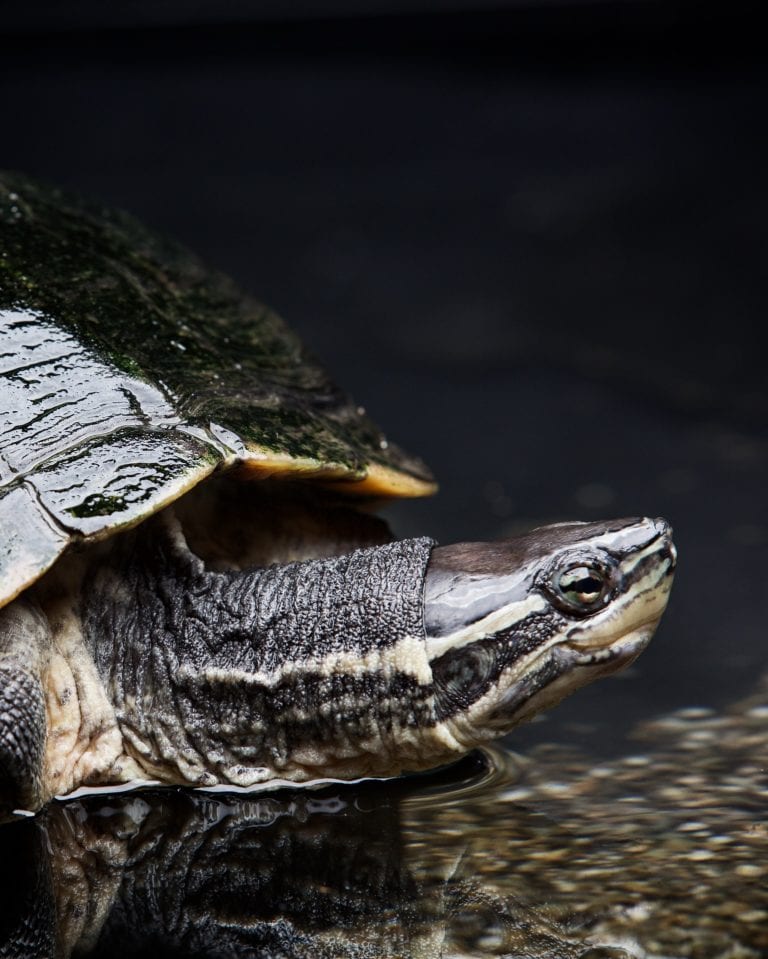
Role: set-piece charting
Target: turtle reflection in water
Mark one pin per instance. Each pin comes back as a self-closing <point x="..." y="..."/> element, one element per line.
<point x="661" y="854"/>
<point x="237" y="631"/>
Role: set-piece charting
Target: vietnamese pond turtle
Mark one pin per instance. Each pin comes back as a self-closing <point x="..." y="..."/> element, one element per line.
<point x="194" y="589"/>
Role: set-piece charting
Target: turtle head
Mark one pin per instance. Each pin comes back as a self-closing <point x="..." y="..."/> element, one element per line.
<point x="514" y="626"/>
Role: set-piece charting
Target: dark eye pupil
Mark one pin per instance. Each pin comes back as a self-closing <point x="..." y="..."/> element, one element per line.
<point x="588" y="585"/>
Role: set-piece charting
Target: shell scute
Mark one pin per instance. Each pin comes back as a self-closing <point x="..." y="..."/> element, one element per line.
<point x="128" y="372"/>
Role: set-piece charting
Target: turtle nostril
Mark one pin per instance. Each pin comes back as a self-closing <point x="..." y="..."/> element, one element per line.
<point x="672" y="555"/>
<point x="662" y="526"/>
<point x="664" y="533"/>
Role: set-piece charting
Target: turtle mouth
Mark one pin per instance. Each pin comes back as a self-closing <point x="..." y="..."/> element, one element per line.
<point x="564" y="669"/>
<point x="615" y="654"/>
<point x="594" y="647"/>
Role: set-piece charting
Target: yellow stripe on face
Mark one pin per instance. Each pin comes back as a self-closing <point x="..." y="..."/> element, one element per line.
<point x="500" y="619"/>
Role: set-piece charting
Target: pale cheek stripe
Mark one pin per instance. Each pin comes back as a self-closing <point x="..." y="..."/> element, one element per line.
<point x="495" y="622"/>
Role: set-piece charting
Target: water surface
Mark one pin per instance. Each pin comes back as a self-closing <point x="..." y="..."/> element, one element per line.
<point x="661" y="851"/>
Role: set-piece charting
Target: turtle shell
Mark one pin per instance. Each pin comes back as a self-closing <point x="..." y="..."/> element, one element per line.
<point x="129" y="373"/>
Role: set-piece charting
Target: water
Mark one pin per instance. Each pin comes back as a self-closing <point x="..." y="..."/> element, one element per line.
<point x="661" y="851"/>
<point x="504" y="255"/>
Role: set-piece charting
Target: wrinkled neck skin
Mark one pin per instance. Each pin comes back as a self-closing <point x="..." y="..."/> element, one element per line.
<point x="296" y="672"/>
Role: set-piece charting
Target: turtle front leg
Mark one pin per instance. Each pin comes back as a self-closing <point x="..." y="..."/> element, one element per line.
<point x="25" y="643"/>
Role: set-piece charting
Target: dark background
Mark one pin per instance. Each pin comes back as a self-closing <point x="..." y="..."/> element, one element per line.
<point x="530" y="238"/>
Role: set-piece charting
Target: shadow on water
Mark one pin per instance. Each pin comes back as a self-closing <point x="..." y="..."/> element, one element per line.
<point x="661" y="852"/>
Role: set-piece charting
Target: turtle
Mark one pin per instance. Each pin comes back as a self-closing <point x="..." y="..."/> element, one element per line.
<point x="195" y="587"/>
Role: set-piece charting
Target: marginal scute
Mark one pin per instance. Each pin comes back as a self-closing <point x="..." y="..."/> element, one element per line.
<point x="384" y="481"/>
<point x="30" y="541"/>
<point x="261" y="463"/>
<point x="374" y="481"/>
<point x="117" y="481"/>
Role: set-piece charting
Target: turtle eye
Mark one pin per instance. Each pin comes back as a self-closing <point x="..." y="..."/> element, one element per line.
<point x="581" y="588"/>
